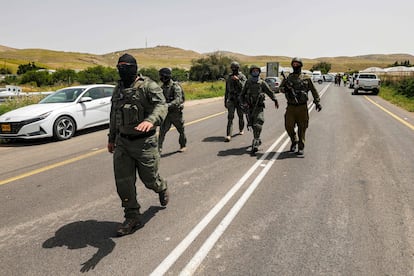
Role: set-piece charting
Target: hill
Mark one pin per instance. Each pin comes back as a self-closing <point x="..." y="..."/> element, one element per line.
<point x="166" y="56"/>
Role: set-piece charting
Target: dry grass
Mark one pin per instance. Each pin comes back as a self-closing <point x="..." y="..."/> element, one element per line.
<point x="166" y="56"/>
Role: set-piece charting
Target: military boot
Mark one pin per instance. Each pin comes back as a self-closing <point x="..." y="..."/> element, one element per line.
<point x="164" y="197"/>
<point x="128" y="226"/>
<point x="300" y="153"/>
<point x="255" y="146"/>
<point x="293" y="146"/>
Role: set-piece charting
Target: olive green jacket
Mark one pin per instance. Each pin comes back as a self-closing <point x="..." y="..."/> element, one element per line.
<point x="173" y="94"/>
<point x="234" y="87"/>
<point x="253" y="93"/>
<point x="296" y="88"/>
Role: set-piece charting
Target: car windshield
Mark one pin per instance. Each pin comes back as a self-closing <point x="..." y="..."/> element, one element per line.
<point x="63" y="96"/>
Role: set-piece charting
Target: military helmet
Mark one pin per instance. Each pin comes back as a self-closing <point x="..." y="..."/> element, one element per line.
<point x="235" y="64"/>
<point x="165" y="72"/>
<point x="254" y="67"/>
<point x="297" y="60"/>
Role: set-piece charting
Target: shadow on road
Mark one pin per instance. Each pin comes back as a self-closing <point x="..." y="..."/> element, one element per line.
<point x="286" y="155"/>
<point x="234" y="151"/>
<point x="214" y="139"/>
<point x="99" y="234"/>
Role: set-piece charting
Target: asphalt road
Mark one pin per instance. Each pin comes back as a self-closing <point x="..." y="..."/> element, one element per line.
<point x="347" y="208"/>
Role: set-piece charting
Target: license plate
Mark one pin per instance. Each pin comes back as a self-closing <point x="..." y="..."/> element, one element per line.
<point x="5" y="128"/>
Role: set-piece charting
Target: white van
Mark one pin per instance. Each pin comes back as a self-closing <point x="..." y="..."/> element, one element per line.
<point x="317" y="76"/>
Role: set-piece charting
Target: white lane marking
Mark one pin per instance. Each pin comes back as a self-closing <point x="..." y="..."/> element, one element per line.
<point x="185" y="243"/>
<point x="194" y="263"/>
<point x="163" y="267"/>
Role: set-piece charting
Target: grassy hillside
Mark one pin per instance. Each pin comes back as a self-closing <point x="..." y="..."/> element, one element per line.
<point x="161" y="56"/>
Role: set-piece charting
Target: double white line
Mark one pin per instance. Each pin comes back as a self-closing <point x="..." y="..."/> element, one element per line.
<point x="194" y="263"/>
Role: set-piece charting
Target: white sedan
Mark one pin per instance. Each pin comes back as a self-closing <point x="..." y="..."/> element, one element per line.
<point x="60" y="114"/>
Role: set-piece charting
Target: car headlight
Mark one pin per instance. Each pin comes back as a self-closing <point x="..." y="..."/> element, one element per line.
<point x="44" y="115"/>
<point x="38" y="118"/>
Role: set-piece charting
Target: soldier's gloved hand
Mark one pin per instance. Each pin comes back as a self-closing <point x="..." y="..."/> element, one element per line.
<point x="111" y="147"/>
<point x="318" y="107"/>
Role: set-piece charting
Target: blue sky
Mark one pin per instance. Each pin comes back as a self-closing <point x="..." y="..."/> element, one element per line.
<point x="309" y="29"/>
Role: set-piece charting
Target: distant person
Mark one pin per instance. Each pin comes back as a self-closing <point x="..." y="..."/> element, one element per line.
<point x="138" y="106"/>
<point x="175" y="100"/>
<point x="345" y="79"/>
<point x="253" y="97"/>
<point x="234" y="85"/>
<point x="338" y="79"/>
<point x="296" y="87"/>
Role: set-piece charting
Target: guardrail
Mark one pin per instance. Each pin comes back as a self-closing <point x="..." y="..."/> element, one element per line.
<point x="4" y="95"/>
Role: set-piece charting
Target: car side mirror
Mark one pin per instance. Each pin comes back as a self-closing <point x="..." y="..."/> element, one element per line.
<point x="85" y="99"/>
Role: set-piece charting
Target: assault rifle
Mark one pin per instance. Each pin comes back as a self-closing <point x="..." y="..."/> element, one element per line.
<point x="290" y="91"/>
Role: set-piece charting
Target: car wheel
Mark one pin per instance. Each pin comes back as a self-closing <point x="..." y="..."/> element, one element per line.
<point x="64" y="128"/>
<point x="320" y="81"/>
<point x="375" y="91"/>
<point x="355" y="92"/>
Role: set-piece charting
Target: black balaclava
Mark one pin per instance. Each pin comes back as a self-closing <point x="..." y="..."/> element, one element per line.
<point x="165" y="75"/>
<point x="235" y="70"/>
<point x="127" y="69"/>
<point x="297" y="69"/>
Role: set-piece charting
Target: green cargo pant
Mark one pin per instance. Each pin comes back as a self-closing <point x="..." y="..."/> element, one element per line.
<point x="232" y="107"/>
<point x="257" y="122"/>
<point x="297" y="115"/>
<point x="132" y="156"/>
<point x="173" y="118"/>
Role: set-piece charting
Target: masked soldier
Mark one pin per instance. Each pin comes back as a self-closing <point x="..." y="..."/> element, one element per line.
<point x="175" y="100"/>
<point x="234" y="85"/>
<point x="253" y="97"/>
<point x="138" y="106"/>
<point x="296" y="87"/>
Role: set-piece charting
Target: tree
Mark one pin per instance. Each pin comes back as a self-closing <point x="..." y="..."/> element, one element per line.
<point x="67" y="76"/>
<point x="98" y="74"/>
<point x="39" y="77"/>
<point x="150" y="72"/>
<point x="23" y="68"/>
<point x="5" y="71"/>
<point x="212" y="67"/>
<point x="179" y="74"/>
<point x="324" y="67"/>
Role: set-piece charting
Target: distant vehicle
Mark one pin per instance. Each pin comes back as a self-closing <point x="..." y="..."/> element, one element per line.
<point x="352" y="80"/>
<point x="317" y="77"/>
<point x="367" y="82"/>
<point x="274" y="83"/>
<point x="60" y="114"/>
<point x="328" y="78"/>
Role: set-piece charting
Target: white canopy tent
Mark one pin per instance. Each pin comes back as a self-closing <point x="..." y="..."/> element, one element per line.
<point x="373" y="70"/>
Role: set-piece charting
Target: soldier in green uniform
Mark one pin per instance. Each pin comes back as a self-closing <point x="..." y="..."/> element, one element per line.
<point x="234" y="84"/>
<point x="138" y="106"/>
<point x="253" y="97"/>
<point x="175" y="100"/>
<point x="296" y="87"/>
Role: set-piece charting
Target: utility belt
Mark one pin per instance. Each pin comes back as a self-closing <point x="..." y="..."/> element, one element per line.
<point x="137" y="136"/>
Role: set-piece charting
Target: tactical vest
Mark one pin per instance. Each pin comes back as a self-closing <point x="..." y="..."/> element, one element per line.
<point x="234" y="87"/>
<point x="300" y="90"/>
<point x="129" y="110"/>
<point x="255" y="94"/>
<point x="171" y="93"/>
